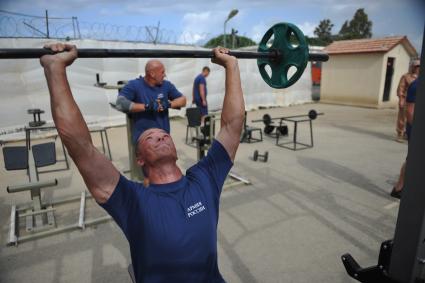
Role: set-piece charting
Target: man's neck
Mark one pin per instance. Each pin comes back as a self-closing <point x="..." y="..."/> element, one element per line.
<point x="164" y="173"/>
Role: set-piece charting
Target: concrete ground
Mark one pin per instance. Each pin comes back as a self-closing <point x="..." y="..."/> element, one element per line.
<point x="303" y="210"/>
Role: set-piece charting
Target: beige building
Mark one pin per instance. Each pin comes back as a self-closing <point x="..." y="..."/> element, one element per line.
<point x="365" y="72"/>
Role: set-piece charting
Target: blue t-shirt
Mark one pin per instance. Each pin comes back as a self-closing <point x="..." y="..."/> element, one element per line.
<point x="139" y="91"/>
<point x="172" y="228"/>
<point x="200" y="79"/>
<point x="411" y="92"/>
<point x="411" y="98"/>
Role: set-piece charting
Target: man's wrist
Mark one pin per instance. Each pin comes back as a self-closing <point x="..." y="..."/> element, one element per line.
<point x="54" y="65"/>
<point x="54" y="69"/>
<point x="232" y="62"/>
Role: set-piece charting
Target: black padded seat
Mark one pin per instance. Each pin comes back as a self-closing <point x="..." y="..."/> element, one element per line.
<point x="44" y="154"/>
<point x="15" y="157"/>
<point x="193" y="121"/>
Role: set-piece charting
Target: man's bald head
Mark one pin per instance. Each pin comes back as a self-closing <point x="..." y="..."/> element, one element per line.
<point x="153" y="64"/>
<point x="154" y="72"/>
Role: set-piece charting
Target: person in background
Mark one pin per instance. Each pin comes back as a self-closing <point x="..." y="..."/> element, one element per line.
<point x="148" y="99"/>
<point x="403" y="85"/>
<point x="410" y="110"/>
<point x="199" y="93"/>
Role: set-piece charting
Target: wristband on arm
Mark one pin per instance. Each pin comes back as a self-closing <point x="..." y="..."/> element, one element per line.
<point x="123" y="104"/>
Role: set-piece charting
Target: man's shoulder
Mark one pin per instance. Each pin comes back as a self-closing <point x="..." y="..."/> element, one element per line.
<point x="216" y="153"/>
<point x="201" y="78"/>
<point x="409" y="77"/>
<point x="167" y="84"/>
<point x="135" y="82"/>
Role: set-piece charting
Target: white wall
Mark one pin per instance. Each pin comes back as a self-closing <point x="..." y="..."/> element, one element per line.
<point x="401" y="66"/>
<point x="23" y="85"/>
<point x="359" y="79"/>
<point x="353" y="79"/>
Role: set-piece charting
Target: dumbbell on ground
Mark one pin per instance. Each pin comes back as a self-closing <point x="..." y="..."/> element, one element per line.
<point x="264" y="156"/>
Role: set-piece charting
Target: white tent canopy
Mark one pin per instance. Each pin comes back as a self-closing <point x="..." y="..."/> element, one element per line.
<point x="23" y="85"/>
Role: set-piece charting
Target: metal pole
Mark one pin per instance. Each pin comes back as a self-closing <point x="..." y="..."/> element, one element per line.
<point x="73" y="27"/>
<point x="285" y="117"/>
<point x="27" y="53"/>
<point x="155" y="41"/>
<point x="408" y="253"/>
<point x="78" y="27"/>
<point x="224" y="34"/>
<point x="233" y="38"/>
<point x="296" y="116"/>
<point x="47" y="24"/>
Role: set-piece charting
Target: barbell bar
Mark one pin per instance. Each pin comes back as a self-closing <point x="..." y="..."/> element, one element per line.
<point x="282" y="47"/>
<point x="34" y="53"/>
<point x="312" y="114"/>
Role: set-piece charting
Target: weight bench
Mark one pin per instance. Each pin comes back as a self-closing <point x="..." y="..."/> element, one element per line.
<point x="39" y="216"/>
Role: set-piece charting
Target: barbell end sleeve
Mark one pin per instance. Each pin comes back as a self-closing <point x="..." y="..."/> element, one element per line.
<point x="322" y="57"/>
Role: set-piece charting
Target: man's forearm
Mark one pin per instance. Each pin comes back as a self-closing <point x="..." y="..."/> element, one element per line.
<point x="67" y="116"/>
<point x="402" y="87"/>
<point x="178" y="102"/>
<point x="233" y="106"/>
<point x="202" y="93"/>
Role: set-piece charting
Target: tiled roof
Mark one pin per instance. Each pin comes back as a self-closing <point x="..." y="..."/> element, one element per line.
<point x="370" y="45"/>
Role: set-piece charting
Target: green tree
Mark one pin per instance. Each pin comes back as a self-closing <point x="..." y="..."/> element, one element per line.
<point x="324" y="31"/>
<point x="344" y="29"/>
<point x="240" y="41"/>
<point x="314" y="41"/>
<point x="358" y="27"/>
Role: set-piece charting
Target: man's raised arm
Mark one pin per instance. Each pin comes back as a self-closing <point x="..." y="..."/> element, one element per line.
<point x="98" y="172"/>
<point x="232" y="115"/>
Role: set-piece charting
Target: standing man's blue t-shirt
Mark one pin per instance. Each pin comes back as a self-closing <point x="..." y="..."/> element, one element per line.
<point x="411" y="92"/>
<point x="200" y="79"/>
<point x="410" y="98"/>
<point x="172" y="228"/>
<point x="139" y="91"/>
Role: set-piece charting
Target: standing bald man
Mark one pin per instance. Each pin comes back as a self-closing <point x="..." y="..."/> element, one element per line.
<point x="148" y="99"/>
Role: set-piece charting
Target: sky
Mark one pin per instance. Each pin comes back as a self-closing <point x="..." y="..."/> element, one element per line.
<point x="195" y="21"/>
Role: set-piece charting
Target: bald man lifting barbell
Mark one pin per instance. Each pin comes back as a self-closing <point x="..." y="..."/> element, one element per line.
<point x="171" y="225"/>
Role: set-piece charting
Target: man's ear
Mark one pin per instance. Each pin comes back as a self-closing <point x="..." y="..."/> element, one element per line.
<point x="140" y="161"/>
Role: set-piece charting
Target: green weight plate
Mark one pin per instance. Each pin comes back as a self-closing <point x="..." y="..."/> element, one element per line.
<point x="290" y="55"/>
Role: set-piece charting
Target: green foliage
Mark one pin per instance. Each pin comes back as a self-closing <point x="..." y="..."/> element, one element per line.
<point x="324" y="31"/>
<point x="240" y="41"/>
<point x="358" y="27"/>
<point x="315" y="41"/>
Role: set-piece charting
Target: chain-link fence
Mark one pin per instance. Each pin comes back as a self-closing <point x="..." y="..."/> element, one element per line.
<point x="18" y="25"/>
